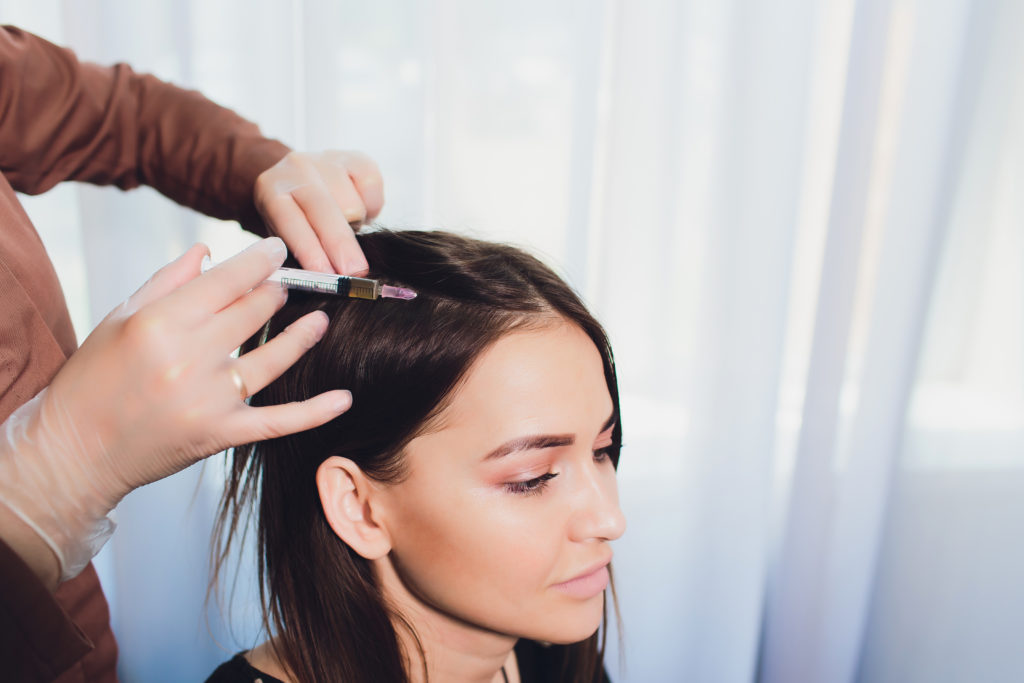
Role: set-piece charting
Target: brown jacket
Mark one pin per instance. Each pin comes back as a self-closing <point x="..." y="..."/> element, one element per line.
<point x="61" y="119"/>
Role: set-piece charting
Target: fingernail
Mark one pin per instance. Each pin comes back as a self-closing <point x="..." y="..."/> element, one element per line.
<point x="275" y="246"/>
<point x="317" y="325"/>
<point x="343" y="401"/>
<point x="358" y="267"/>
<point x="206" y="264"/>
<point x="320" y="324"/>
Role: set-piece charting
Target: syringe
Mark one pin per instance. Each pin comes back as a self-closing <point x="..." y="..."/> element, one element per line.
<point x="330" y="283"/>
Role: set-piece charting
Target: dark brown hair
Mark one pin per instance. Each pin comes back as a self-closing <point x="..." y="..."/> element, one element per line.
<point x="320" y="599"/>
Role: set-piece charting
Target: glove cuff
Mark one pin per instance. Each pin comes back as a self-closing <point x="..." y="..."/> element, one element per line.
<point x="41" y="483"/>
<point x="74" y="552"/>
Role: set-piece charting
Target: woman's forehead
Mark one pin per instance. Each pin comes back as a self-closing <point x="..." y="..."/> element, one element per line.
<point x="536" y="378"/>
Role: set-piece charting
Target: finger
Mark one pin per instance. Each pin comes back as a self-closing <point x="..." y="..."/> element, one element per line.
<point x="170" y="277"/>
<point x="343" y="191"/>
<point x="243" y="318"/>
<point x="367" y="180"/>
<point x="285" y="218"/>
<point x="269" y="422"/>
<point x="264" y="364"/>
<point x="330" y="225"/>
<point x="226" y="282"/>
<point x="342" y="246"/>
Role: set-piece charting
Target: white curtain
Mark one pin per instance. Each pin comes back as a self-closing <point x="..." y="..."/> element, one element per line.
<point x="800" y="222"/>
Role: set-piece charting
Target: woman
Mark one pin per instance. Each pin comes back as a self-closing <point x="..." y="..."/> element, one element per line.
<point x="453" y="525"/>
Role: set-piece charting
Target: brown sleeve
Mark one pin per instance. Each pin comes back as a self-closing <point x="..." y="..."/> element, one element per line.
<point x="41" y="634"/>
<point x="36" y="635"/>
<point x="61" y="119"/>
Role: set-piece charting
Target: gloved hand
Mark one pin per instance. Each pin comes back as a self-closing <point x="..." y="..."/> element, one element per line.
<point x="152" y="390"/>
<point x="316" y="202"/>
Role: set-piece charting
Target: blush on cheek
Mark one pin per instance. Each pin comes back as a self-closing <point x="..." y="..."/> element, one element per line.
<point x="475" y="538"/>
<point x="498" y="581"/>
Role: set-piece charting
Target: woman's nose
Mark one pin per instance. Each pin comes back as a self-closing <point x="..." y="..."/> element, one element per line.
<point x="598" y="515"/>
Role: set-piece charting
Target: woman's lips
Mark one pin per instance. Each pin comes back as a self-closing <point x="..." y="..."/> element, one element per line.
<point x="585" y="585"/>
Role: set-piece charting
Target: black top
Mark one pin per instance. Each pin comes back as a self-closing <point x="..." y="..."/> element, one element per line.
<point x="536" y="665"/>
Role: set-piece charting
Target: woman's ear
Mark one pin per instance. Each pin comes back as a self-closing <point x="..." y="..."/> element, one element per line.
<point x="348" y="497"/>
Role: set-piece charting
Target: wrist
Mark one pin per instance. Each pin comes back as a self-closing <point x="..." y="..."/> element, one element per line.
<point x="260" y="157"/>
<point x="45" y="484"/>
<point x="30" y="547"/>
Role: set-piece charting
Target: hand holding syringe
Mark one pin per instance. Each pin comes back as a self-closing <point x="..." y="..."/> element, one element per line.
<point x="152" y="390"/>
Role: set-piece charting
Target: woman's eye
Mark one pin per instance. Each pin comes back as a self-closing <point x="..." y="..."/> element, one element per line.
<point x="602" y="455"/>
<point x="531" y="486"/>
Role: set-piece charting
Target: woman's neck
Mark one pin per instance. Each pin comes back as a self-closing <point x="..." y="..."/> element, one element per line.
<point x="263" y="658"/>
<point x="454" y="650"/>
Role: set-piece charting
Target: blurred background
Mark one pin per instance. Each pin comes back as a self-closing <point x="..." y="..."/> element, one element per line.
<point x="800" y="221"/>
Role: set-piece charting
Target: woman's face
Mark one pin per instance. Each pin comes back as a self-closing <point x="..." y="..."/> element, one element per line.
<point x="504" y="520"/>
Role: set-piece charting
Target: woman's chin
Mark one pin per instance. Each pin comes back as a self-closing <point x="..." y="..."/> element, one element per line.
<point x="575" y="626"/>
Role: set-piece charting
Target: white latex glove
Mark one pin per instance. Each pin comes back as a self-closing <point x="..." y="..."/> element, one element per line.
<point x="316" y="203"/>
<point x="152" y="390"/>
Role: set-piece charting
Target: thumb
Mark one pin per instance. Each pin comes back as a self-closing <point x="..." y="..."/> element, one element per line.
<point x="176" y="273"/>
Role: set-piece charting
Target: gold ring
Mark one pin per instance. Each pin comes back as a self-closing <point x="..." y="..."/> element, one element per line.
<point x="236" y="377"/>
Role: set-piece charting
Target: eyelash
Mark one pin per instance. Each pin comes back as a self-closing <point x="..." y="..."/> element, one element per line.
<point x="530" y="487"/>
<point x="535" y="486"/>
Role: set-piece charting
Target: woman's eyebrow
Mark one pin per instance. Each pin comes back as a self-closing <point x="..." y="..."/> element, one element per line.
<point x="529" y="443"/>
